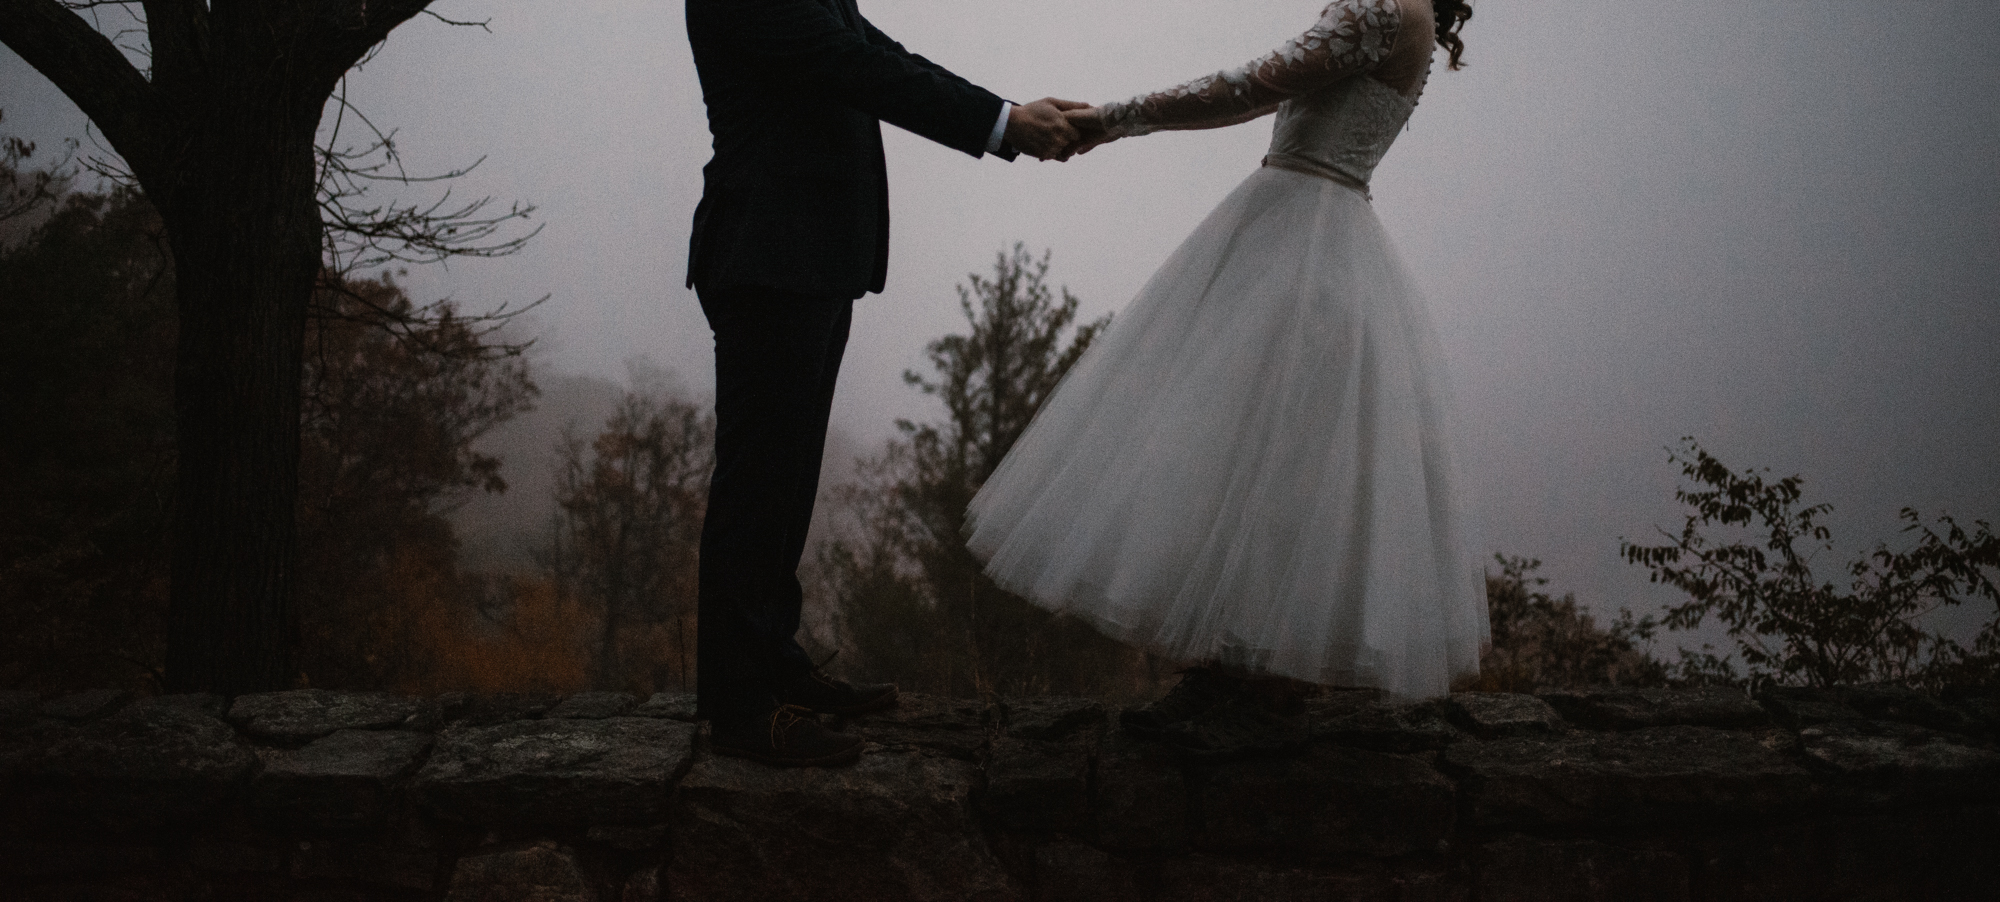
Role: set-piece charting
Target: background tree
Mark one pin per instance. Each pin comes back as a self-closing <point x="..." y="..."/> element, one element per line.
<point x="219" y="132"/>
<point x="1792" y="627"/>
<point x="914" y="602"/>
<point x="1541" y="641"/>
<point x="627" y="532"/>
<point x="395" y="394"/>
<point x="86" y="434"/>
<point x="25" y="190"/>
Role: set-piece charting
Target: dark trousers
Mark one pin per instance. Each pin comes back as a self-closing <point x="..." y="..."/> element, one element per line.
<point x="777" y="355"/>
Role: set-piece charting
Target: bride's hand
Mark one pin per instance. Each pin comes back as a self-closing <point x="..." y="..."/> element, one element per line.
<point x="1089" y="125"/>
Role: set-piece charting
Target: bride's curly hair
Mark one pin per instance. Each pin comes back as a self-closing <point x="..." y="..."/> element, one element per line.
<point x="1450" y="15"/>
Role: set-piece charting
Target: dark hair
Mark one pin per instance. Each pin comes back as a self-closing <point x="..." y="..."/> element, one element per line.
<point x="1450" y="15"/>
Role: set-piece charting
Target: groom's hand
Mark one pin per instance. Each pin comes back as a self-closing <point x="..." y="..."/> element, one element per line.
<point x="1089" y="124"/>
<point x="1039" y="129"/>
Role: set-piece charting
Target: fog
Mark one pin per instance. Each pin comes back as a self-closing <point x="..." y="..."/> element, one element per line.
<point x="1774" y="227"/>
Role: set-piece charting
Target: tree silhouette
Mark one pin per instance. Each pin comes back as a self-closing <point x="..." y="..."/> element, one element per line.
<point x="219" y="132"/>
<point x="395" y="394"/>
<point x="392" y="409"/>
<point x="916" y="604"/>
<point x="1745" y="553"/>
<point x="86" y="437"/>
<point x="628" y="527"/>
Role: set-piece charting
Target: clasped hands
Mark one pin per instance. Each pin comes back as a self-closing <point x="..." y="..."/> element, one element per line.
<point x="1052" y="129"/>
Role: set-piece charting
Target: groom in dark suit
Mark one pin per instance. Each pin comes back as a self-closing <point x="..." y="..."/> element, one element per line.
<point x="793" y="226"/>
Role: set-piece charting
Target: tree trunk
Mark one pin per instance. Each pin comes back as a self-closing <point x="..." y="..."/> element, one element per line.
<point x="246" y="242"/>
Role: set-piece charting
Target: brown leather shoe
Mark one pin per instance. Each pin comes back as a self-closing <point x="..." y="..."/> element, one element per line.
<point x="822" y="693"/>
<point x="785" y="736"/>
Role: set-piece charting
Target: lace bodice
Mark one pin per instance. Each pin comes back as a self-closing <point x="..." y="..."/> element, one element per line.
<point x="1333" y="118"/>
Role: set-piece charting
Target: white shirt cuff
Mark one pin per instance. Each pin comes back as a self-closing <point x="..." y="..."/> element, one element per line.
<point x="999" y="128"/>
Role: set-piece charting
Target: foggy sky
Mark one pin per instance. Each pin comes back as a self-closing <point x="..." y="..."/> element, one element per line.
<point x="1770" y="226"/>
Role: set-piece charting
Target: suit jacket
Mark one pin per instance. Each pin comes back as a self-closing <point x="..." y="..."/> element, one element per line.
<point x="796" y="196"/>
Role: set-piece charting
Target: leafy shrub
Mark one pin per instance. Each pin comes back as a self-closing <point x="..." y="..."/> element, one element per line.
<point x="1791" y="627"/>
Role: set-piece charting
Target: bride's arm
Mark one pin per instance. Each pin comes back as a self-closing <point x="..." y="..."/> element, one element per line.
<point x="1350" y="38"/>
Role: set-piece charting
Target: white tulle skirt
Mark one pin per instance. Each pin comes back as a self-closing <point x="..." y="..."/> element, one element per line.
<point x="1252" y="465"/>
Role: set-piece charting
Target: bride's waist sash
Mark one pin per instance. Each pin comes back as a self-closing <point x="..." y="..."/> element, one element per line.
<point x="1303" y="166"/>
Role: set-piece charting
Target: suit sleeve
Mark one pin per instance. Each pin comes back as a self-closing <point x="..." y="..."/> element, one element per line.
<point x="810" y="50"/>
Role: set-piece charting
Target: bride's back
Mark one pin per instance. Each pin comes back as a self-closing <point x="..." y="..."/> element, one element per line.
<point x="1343" y="130"/>
<point x="1409" y="61"/>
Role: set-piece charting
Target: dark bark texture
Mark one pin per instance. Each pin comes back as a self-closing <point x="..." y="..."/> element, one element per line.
<point x="220" y="137"/>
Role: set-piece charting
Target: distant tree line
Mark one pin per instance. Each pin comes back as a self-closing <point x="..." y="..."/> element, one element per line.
<point x="396" y="395"/>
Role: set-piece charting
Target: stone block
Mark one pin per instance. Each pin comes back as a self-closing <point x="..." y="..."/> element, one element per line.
<point x="619" y="770"/>
<point x="1140" y="800"/>
<point x="224" y="856"/>
<point x="202" y="702"/>
<point x="495" y="708"/>
<point x="670" y="705"/>
<point x="542" y="872"/>
<point x="85" y="705"/>
<point x="1051" y="719"/>
<point x="1492" y="715"/>
<point x="1919" y="855"/>
<point x="18" y="706"/>
<point x="1525" y="869"/>
<point x="1906" y="706"/>
<point x="26" y="741"/>
<point x="301" y="715"/>
<point x="1650" y="776"/>
<point x="1873" y="762"/>
<point x="1072" y="872"/>
<point x="1797" y="707"/>
<point x="340" y="780"/>
<point x="627" y="838"/>
<point x="1038" y="787"/>
<point x="365" y="862"/>
<point x="951" y="727"/>
<point x="1625" y="708"/>
<point x="168" y="884"/>
<point x="594" y="706"/>
<point x="898" y="825"/>
<point x="141" y="767"/>
<point x="1982" y="714"/>
<point x="1336" y="700"/>
<point x="45" y="859"/>
<point x="1206" y="879"/>
<point x="1330" y="801"/>
<point x="1382" y="727"/>
<point x="642" y="885"/>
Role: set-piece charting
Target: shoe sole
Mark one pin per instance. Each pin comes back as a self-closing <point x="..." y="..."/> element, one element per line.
<point x="837" y="759"/>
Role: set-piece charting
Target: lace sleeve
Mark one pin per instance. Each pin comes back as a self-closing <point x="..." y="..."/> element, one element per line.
<point x="1351" y="37"/>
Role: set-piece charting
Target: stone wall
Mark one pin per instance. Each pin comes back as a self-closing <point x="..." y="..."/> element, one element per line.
<point x="1604" y="794"/>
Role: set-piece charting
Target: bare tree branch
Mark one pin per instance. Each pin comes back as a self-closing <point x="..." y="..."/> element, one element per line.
<point x="88" y="67"/>
<point x="417" y="326"/>
<point x="361" y="236"/>
<point x="481" y="24"/>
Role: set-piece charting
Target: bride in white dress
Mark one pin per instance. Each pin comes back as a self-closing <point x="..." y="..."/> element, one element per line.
<point x="1250" y="470"/>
